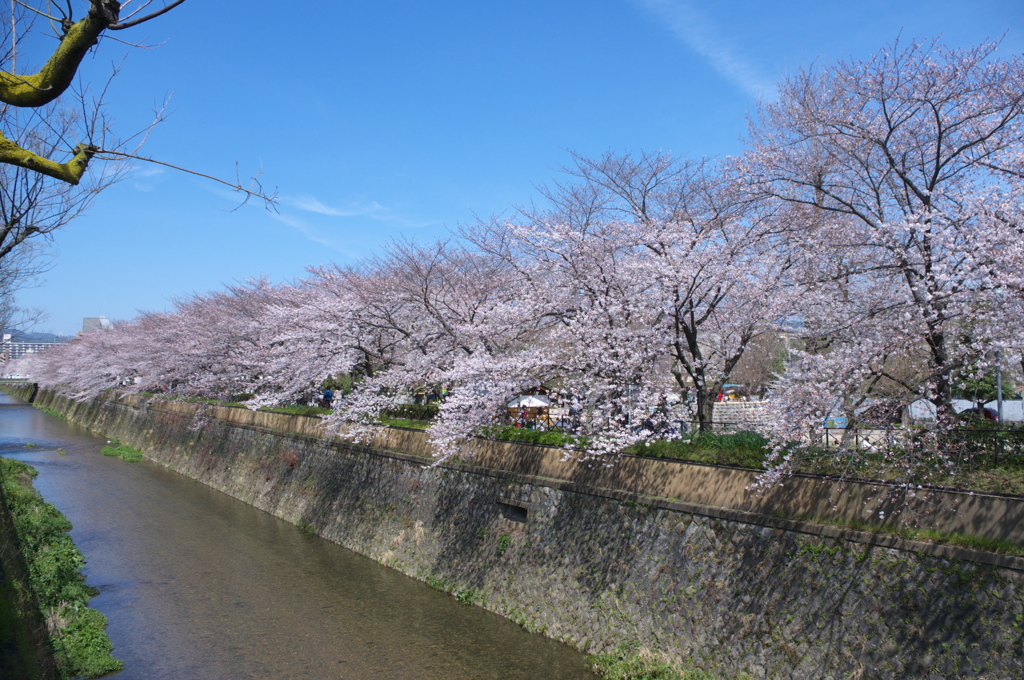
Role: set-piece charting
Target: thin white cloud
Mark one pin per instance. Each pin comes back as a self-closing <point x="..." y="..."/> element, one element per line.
<point x="313" y="204"/>
<point x="362" y="209"/>
<point x="311" y="233"/>
<point x="145" y="178"/>
<point x="149" y="171"/>
<point x="702" y="36"/>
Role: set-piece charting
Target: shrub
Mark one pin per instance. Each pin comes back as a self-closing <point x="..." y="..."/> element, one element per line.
<point x="412" y="412"/>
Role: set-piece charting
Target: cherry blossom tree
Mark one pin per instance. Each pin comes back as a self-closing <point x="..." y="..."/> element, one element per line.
<point x="901" y="178"/>
<point x="209" y="346"/>
<point x="88" y="365"/>
<point x="421" y="315"/>
<point x="698" y="268"/>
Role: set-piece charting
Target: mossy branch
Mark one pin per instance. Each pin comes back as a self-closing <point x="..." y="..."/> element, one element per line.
<point x="39" y="89"/>
<point x="70" y="172"/>
<point x="56" y="75"/>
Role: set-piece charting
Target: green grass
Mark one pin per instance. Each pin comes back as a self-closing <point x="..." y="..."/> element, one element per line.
<point x="81" y="647"/>
<point x="405" y="422"/>
<point x="994" y="545"/>
<point x="522" y="434"/>
<point x="297" y="410"/>
<point x="18" y="617"/>
<point x="1004" y="478"/>
<point x="975" y="471"/>
<point x="742" y="449"/>
<point x="960" y="540"/>
<point x="51" y="412"/>
<point x="626" y="664"/>
<point x="128" y="454"/>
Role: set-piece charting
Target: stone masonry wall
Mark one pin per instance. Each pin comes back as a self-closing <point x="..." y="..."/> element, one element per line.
<point x="739" y="599"/>
<point x="741" y="415"/>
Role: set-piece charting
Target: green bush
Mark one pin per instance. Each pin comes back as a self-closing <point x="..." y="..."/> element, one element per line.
<point x="84" y="644"/>
<point x="412" y="412"/>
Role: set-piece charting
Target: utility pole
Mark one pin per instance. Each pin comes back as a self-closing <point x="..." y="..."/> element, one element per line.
<point x="999" y="387"/>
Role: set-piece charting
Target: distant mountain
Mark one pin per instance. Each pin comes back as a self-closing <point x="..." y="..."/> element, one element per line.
<point x="23" y="336"/>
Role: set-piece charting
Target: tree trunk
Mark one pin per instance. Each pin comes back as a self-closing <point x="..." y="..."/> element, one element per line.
<point x="705" y="409"/>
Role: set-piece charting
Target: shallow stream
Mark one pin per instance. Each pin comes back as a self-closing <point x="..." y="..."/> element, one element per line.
<point x="199" y="585"/>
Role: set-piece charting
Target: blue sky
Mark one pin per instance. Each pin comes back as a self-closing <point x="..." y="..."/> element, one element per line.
<point x="405" y="119"/>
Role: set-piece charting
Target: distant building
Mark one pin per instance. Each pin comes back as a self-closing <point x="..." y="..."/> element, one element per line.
<point x="10" y="350"/>
<point x="97" y="323"/>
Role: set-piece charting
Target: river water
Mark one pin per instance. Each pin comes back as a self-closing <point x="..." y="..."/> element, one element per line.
<point x="198" y="585"/>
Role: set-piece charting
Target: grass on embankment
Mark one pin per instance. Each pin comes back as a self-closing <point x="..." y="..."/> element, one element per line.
<point x="77" y="633"/>
<point x="742" y="449"/>
<point x="20" y="623"/>
<point x="628" y="664"/>
<point x="749" y="450"/>
<point x="993" y="545"/>
<point x="51" y="412"/>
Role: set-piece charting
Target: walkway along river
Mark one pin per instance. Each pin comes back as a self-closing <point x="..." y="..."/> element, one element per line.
<point x="198" y="585"/>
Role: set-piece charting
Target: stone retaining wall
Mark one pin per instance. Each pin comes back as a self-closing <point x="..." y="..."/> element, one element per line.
<point x="741" y="415"/>
<point x="986" y="515"/>
<point x="597" y="571"/>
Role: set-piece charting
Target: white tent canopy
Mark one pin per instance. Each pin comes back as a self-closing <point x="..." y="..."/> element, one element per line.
<point x="1013" y="409"/>
<point x="530" y="401"/>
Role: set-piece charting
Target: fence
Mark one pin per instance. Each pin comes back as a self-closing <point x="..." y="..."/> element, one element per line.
<point x="999" y="444"/>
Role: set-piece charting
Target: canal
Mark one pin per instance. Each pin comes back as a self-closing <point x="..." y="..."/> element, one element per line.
<point x="198" y="585"/>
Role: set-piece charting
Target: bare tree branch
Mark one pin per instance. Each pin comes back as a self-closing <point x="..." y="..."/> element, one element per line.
<point x="135" y="22"/>
<point x="255" y="189"/>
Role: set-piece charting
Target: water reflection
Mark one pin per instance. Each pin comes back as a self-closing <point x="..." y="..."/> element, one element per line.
<point x="198" y="585"/>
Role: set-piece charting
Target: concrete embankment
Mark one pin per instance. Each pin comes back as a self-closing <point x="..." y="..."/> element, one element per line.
<point x="672" y="559"/>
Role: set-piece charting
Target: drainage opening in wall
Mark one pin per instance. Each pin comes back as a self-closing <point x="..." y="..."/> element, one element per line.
<point x="514" y="511"/>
